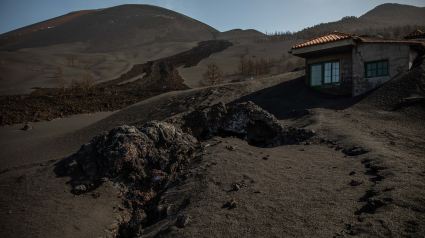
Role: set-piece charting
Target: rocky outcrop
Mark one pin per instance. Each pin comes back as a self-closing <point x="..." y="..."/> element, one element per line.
<point x="145" y="155"/>
<point x="143" y="163"/>
<point x="140" y="162"/>
<point x="244" y="120"/>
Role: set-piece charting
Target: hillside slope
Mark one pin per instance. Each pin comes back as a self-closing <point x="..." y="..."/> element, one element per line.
<point x="122" y="27"/>
<point x="389" y="20"/>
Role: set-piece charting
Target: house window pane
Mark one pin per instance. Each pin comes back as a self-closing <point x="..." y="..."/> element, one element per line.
<point x="335" y="79"/>
<point x="335" y="72"/>
<point x="385" y="64"/>
<point x="328" y="72"/>
<point x="316" y="75"/>
<point x="376" y="69"/>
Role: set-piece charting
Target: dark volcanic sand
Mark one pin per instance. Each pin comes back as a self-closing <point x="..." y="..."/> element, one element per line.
<point x="312" y="190"/>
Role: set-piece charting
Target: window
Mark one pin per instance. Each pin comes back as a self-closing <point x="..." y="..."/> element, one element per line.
<point x="316" y="75"/>
<point x="327" y="72"/>
<point x="376" y="69"/>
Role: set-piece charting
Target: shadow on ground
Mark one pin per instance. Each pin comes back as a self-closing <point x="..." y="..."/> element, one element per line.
<point x="293" y="98"/>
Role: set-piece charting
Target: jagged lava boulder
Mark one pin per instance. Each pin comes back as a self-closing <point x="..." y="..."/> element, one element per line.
<point x="244" y="120"/>
<point x="136" y="156"/>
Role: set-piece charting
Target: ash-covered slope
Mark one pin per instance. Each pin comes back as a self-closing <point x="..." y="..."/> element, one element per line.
<point x="123" y="27"/>
<point x="241" y="34"/>
<point x="395" y="14"/>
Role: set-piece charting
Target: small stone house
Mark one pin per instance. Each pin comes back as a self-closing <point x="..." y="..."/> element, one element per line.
<point x="342" y="63"/>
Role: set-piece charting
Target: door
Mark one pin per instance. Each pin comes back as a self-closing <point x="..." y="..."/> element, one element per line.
<point x="316" y="76"/>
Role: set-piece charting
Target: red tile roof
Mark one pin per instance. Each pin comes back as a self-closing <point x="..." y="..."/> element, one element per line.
<point x="336" y="35"/>
<point x="329" y="37"/>
<point x="415" y="34"/>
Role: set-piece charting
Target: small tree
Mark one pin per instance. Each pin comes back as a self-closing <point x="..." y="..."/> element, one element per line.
<point x="212" y="76"/>
<point x="62" y="85"/>
<point x="87" y="80"/>
<point x="250" y="67"/>
<point x="57" y="72"/>
<point x="77" y="63"/>
<point x="242" y="66"/>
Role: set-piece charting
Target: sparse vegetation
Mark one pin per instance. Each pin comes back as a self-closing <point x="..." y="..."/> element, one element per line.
<point x="58" y="72"/>
<point x="77" y="63"/>
<point x="247" y="67"/>
<point x="212" y="76"/>
<point x="88" y="80"/>
<point x="62" y="85"/>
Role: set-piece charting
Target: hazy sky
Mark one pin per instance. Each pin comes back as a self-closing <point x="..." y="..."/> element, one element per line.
<point x="223" y="15"/>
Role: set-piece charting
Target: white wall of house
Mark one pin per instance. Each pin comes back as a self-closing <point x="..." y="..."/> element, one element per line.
<point x="397" y="54"/>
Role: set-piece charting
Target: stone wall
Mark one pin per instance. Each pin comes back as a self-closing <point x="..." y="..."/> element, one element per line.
<point x="397" y="54"/>
<point x="344" y="87"/>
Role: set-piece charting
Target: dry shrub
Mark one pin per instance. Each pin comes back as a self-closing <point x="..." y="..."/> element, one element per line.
<point x="88" y="80"/>
<point x="212" y="76"/>
<point x="62" y="85"/>
<point x="77" y="63"/>
<point x="58" y="72"/>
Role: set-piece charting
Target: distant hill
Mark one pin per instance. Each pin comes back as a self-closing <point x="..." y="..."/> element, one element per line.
<point x="390" y="20"/>
<point x="395" y="15"/>
<point x="114" y="28"/>
<point x="237" y="34"/>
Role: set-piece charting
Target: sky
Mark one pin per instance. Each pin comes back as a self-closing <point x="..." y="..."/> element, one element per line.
<point x="223" y="15"/>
